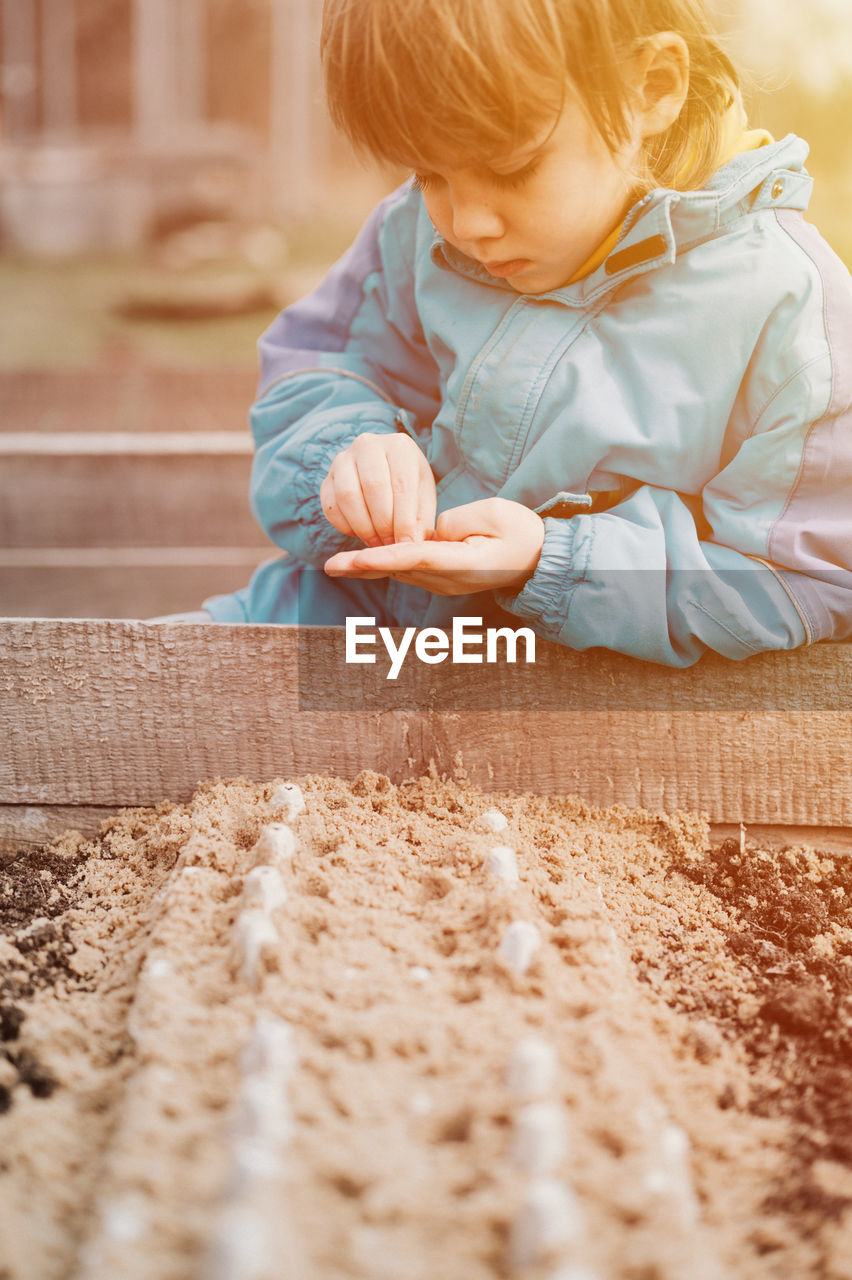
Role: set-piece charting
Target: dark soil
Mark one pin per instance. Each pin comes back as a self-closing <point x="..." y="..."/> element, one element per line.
<point x="785" y="903"/>
<point x="36" y="889"/>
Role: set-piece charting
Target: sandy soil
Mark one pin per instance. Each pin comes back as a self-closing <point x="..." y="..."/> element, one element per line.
<point x="346" y="1066"/>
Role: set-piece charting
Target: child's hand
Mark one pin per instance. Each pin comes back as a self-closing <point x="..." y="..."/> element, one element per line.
<point x="381" y="490"/>
<point x="477" y="547"/>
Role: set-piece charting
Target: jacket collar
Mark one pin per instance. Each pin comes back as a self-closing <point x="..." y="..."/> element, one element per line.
<point x="666" y="222"/>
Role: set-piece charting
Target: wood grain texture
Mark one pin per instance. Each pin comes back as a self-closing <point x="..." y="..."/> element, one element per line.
<point x="110" y="489"/>
<point x="117" y="713"/>
<point x="120" y="582"/>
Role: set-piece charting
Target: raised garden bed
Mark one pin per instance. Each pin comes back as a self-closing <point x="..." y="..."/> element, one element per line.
<point x="548" y="980"/>
<point x="375" y="1050"/>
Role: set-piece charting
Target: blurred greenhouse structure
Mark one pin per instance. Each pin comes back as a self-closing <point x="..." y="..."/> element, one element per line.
<point x="117" y="114"/>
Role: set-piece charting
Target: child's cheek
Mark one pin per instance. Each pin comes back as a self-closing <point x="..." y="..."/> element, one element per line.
<point x="438" y="210"/>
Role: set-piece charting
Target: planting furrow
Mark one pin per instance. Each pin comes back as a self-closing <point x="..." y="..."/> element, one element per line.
<point x="164" y="1164"/>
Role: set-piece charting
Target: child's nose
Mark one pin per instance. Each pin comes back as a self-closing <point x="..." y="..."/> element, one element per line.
<point x="474" y="217"/>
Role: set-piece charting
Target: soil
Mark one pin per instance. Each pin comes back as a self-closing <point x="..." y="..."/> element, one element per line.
<point x="696" y="1000"/>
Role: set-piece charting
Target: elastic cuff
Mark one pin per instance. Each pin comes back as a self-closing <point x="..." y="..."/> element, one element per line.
<point x="317" y="458"/>
<point x="544" y="596"/>
<point x="227" y="608"/>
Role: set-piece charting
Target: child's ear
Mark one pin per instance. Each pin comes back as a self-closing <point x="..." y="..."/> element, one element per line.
<point x="662" y="81"/>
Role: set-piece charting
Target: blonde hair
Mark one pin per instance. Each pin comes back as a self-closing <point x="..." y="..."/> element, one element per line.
<point x="406" y="79"/>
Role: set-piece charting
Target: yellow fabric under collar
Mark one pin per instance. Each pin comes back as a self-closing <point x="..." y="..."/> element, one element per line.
<point x="736" y="138"/>
<point x="602" y="252"/>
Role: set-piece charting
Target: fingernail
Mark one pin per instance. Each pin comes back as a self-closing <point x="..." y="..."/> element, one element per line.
<point x="406" y="538"/>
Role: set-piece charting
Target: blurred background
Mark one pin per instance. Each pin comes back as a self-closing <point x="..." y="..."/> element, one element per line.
<point x="168" y="181"/>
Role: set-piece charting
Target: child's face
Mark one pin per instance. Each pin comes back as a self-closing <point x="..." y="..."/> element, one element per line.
<point x="535" y="216"/>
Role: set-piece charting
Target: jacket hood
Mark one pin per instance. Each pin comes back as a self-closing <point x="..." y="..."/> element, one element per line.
<point x="666" y="222"/>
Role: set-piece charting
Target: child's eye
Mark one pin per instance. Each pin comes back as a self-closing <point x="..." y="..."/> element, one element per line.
<point x="518" y="176"/>
<point x="425" y="181"/>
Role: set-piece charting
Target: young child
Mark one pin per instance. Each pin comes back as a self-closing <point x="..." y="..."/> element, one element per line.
<point x="589" y="371"/>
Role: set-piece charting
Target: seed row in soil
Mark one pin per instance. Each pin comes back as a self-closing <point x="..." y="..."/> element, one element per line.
<point x="248" y="1135"/>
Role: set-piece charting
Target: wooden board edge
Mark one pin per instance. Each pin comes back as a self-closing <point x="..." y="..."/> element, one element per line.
<point x="27" y="827"/>
<point x="834" y="840"/>
<point x="98" y="713"/>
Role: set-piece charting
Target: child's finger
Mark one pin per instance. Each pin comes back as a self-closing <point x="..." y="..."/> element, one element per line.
<point x="457" y="523"/>
<point x="347" y="499"/>
<point x="331" y="511"/>
<point x="374" y="474"/>
<point x="406" y="474"/>
<point x="427" y="504"/>
<point x="400" y="557"/>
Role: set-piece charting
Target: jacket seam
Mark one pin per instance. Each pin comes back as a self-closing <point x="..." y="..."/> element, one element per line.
<point x="558" y="353"/>
<point x="323" y="368"/>
<point x="803" y="616"/>
<point x="826" y="414"/>
<point x="696" y="604"/>
<point x="535" y="396"/>
<point x="484" y="351"/>
<point x="770" y="400"/>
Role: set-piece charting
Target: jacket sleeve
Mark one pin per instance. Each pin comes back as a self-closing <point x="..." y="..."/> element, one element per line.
<point x="760" y="560"/>
<point x="348" y="359"/>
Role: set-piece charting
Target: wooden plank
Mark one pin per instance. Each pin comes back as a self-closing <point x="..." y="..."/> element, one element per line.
<point x="108" y="489"/>
<point x="119" y="582"/>
<point x="125" y="398"/>
<point x="124" y="713"/>
<point x="835" y="840"/>
<point x="28" y="826"/>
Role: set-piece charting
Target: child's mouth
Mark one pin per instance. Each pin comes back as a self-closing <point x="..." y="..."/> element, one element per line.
<point x="508" y="268"/>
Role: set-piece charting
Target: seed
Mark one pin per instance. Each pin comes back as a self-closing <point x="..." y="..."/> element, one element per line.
<point x="263" y="1111"/>
<point x="241" y="1249"/>
<point x="275" y="846"/>
<point x="502" y="864"/>
<point x="125" y="1219"/>
<point x="271" y="1049"/>
<point x="538" y="1138"/>
<point x="549" y="1220"/>
<point x="263" y="887"/>
<point x="518" y="945"/>
<point x="257" y="945"/>
<point x="494" y="820"/>
<point x="532" y="1068"/>
<point x="289" y="797"/>
<point x="670" y="1177"/>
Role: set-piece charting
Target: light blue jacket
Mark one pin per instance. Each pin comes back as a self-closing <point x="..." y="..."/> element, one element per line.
<point x="682" y="417"/>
